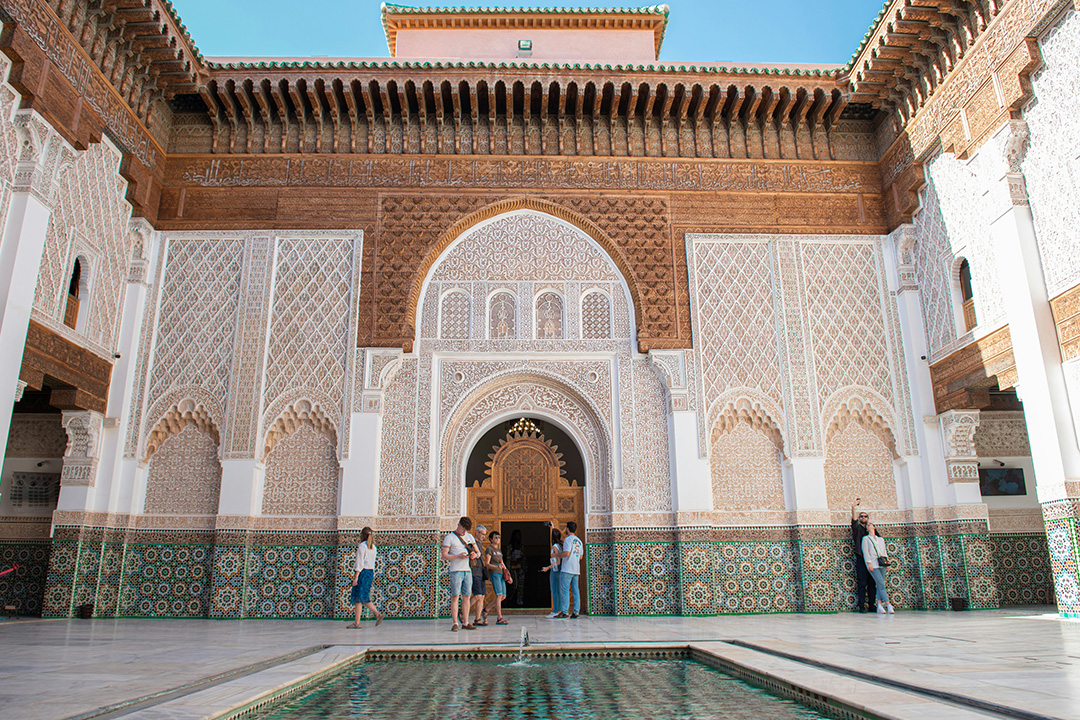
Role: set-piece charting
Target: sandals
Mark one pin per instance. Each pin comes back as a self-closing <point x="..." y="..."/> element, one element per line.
<point x="500" y="621"/>
<point x="378" y="620"/>
<point x="353" y="626"/>
<point x="482" y="623"/>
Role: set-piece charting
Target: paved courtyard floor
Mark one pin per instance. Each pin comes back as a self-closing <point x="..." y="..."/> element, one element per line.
<point x="1023" y="660"/>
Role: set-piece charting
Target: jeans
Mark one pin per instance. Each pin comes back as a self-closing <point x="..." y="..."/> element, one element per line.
<point x="556" y="589"/>
<point x="879" y="583"/>
<point x="565" y="582"/>
<point x="864" y="581"/>
<point x="461" y="583"/>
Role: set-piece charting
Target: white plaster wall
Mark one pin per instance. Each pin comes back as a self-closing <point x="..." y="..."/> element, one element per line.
<point x="954" y="222"/>
<point x="1052" y="164"/>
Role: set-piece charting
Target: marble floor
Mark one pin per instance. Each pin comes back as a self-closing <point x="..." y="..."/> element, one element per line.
<point x="1023" y="659"/>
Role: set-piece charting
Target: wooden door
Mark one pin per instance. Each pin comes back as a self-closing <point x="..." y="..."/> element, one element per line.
<point x="525" y="483"/>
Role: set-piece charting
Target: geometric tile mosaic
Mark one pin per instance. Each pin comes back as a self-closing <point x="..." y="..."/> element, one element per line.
<point x="246" y="574"/>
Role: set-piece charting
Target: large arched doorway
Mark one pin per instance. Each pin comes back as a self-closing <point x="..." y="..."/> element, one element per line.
<point x="524" y="477"/>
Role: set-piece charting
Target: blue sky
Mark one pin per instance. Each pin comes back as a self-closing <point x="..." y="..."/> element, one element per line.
<point x="739" y="31"/>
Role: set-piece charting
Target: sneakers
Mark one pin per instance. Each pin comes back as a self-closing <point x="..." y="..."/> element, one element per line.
<point x="455" y="627"/>
<point x="561" y="616"/>
<point x="573" y="616"/>
<point x="470" y="626"/>
<point x="880" y="609"/>
<point x="551" y="615"/>
<point x="890" y="608"/>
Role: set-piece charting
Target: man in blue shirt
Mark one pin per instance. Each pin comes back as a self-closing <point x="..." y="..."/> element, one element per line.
<point x="569" y="570"/>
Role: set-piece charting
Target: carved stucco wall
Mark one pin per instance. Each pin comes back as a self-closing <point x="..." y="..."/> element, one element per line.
<point x="796" y="330"/>
<point x="302" y="475"/>
<point x="1002" y="434"/>
<point x="745" y="467"/>
<point x="253" y="331"/>
<point x="857" y="464"/>
<point x="196" y="325"/>
<point x="89" y="221"/>
<point x="575" y="379"/>
<point x="958" y="205"/>
<point x="184" y="477"/>
<point x="9" y="140"/>
<point x="1052" y="164"/>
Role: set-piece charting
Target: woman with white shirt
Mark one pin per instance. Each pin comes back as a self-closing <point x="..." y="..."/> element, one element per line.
<point x="876" y="556"/>
<point x="363" y="577"/>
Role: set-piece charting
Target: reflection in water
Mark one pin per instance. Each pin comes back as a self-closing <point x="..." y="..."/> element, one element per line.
<point x="564" y="689"/>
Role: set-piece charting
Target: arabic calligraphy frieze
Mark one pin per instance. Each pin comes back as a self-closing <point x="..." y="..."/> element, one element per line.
<point x="39" y="23"/>
<point x="545" y="173"/>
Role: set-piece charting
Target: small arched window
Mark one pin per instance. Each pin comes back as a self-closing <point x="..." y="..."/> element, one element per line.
<point x="454" y="317"/>
<point x="502" y="317"/>
<point x="967" y="298"/>
<point x="71" y="309"/>
<point x="595" y="316"/>
<point x="549" y="316"/>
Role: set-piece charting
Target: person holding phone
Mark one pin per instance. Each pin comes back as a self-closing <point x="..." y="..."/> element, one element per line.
<point x="458" y="548"/>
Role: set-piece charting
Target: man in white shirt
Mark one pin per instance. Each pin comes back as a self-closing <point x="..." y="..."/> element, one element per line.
<point x="569" y="570"/>
<point x="457" y="548"/>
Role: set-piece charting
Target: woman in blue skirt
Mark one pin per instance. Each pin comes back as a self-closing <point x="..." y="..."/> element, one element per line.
<point x="363" y="577"/>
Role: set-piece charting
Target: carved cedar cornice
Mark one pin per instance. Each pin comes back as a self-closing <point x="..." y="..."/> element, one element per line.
<point x="84" y="375"/>
<point x="964" y="378"/>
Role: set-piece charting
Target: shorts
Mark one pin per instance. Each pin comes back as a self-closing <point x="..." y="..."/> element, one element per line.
<point x="478" y="585"/>
<point x="461" y="583"/>
<point x="361" y="591"/>
<point x="498" y="584"/>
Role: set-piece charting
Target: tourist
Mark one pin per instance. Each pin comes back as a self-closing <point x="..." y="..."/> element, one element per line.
<point x="458" y="548"/>
<point x="864" y="581"/>
<point x="518" y="567"/>
<point x="877" y="561"/>
<point x="493" y="560"/>
<point x="553" y="568"/>
<point x="569" y="569"/>
<point x="479" y="576"/>
<point x="363" y="577"/>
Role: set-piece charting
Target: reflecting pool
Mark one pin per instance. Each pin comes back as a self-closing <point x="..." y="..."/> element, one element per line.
<point x="563" y="689"/>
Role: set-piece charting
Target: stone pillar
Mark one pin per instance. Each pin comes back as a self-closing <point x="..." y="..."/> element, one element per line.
<point x="359" y="497"/>
<point x="958" y="441"/>
<point x="118" y="492"/>
<point x="1041" y="380"/>
<point x="691" y="482"/>
<point x="927" y="483"/>
<point x="43" y="155"/>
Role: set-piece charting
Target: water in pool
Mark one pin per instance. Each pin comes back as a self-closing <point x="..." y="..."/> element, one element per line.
<point x="563" y="689"/>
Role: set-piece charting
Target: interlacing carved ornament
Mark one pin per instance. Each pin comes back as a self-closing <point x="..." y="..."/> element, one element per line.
<point x="179" y="416"/>
<point x="744" y="411"/>
<point x="296" y="415"/>
<point x="861" y="412"/>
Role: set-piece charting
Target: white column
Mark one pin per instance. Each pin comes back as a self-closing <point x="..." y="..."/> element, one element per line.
<point x="926" y="481"/>
<point x="81" y="458"/>
<point x="43" y="154"/>
<point x="804" y="481"/>
<point x="117" y="493"/>
<point x="359" y="496"/>
<point x="1041" y="385"/>
<point x="691" y="481"/>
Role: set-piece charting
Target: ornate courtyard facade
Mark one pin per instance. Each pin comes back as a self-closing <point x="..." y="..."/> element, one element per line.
<point x="251" y="306"/>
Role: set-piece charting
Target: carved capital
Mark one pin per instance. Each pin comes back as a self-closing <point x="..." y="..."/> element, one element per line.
<point x="670" y="367"/>
<point x="380" y="367"/>
<point x="958" y="437"/>
<point x="141" y="234"/>
<point x="42" y="156"/>
<point x="83" y="451"/>
<point x="20" y="387"/>
<point x="1016" y="144"/>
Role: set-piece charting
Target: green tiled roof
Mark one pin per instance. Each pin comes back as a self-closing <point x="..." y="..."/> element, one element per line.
<point x="590" y="67"/>
<point x="657" y="10"/>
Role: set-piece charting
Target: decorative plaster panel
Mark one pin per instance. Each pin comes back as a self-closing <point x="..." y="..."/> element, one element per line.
<point x="1052" y="164"/>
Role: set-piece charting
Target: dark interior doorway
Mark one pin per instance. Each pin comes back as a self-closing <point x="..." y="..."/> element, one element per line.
<point x="535" y="591"/>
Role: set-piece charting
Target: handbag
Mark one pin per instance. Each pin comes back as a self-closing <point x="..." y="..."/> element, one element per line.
<point x="883" y="561"/>
<point x="506" y="576"/>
